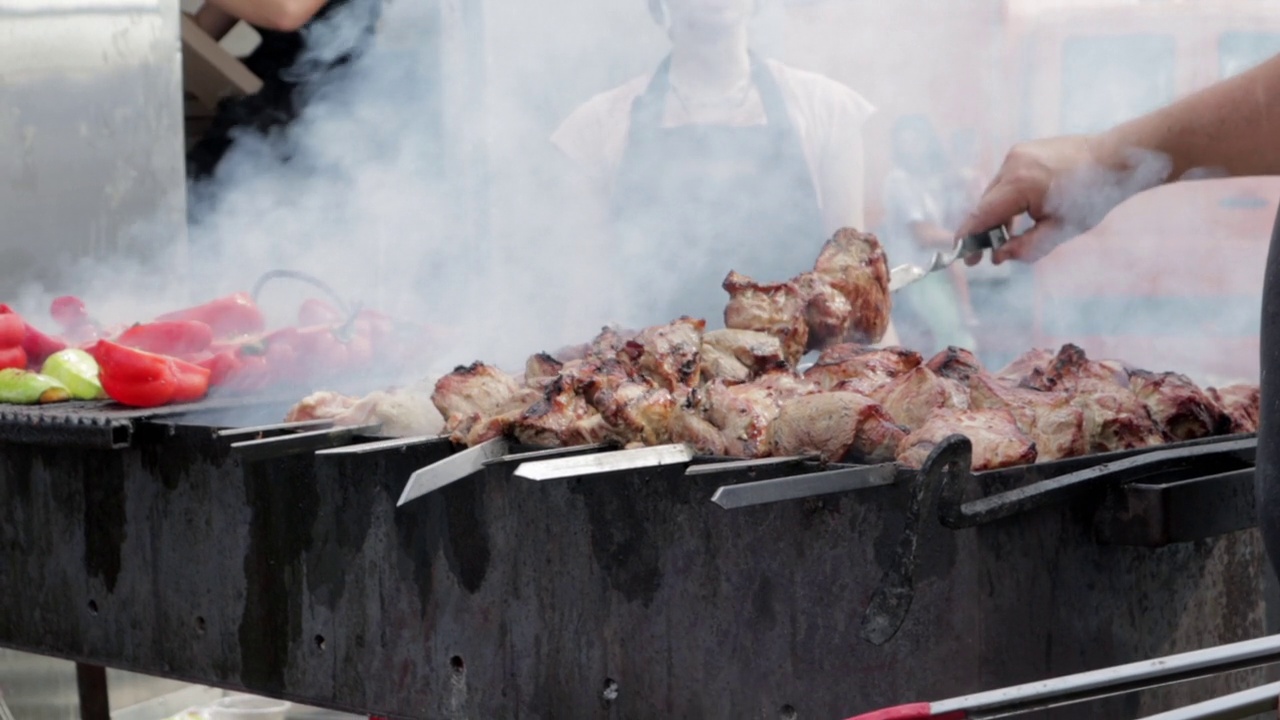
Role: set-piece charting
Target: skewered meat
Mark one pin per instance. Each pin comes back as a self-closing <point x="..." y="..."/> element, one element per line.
<point x="828" y="313"/>
<point x="774" y="308"/>
<point x="1114" y="418"/>
<point x="720" y="365"/>
<point x="1020" y="370"/>
<point x="1070" y="367"/>
<point x="472" y="393"/>
<point x="1052" y="422"/>
<point x="1179" y="408"/>
<point x="1241" y="403"/>
<point x="758" y="352"/>
<point x="561" y="418"/>
<point x="400" y="413"/>
<point x="997" y="442"/>
<point x="912" y="397"/>
<point x="695" y="431"/>
<point x="639" y="411"/>
<point x="956" y="364"/>
<point x="854" y="263"/>
<point x="860" y="368"/>
<point x="742" y="413"/>
<point x="839" y="426"/>
<point x="323" y="405"/>
<point x="667" y="354"/>
<point x="541" y="369"/>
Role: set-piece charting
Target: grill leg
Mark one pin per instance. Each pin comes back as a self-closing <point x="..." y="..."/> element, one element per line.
<point x="91" y="681"/>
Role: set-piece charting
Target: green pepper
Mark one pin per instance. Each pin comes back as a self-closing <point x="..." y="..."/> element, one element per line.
<point x="76" y="369"/>
<point x="21" y="387"/>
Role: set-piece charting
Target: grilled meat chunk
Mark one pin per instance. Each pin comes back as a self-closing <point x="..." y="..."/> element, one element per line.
<point x="742" y="413"/>
<point x="692" y="429"/>
<point x="860" y="368"/>
<point x="472" y="393"/>
<point x="1241" y="404"/>
<point x="720" y="365"/>
<point x="854" y="263"/>
<point x="912" y="397"/>
<point x="323" y="405"/>
<point x="1050" y="419"/>
<point x="1070" y="367"/>
<point x="828" y="312"/>
<point x="1178" y="406"/>
<point x="774" y="308"/>
<point x="956" y="364"/>
<point x="637" y="410"/>
<point x="667" y="354"/>
<point x="757" y="351"/>
<point x="403" y="412"/>
<point x="836" y="425"/>
<point x="541" y="369"/>
<point x="1021" y="369"/>
<point x="1114" y="418"/>
<point x="561" y="418"/>
<point x="997" y="441"/>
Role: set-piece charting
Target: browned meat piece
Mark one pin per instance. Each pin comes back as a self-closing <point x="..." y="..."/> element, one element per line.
<point x="1178" y="406"/>
<point x="777" y="309"/>
<point x="861" y="368"/>
<point x="693" y="430"/>
<point x="499" y="423"/>
<point x="997" y="441"/>
<point x="1241" y="403"/>
<point x="605" y="344"/>
<point x="561" y="418"/>
<point x="786" y="384"/>
<point x="757" y="351"/>
<point x="827" y="311"/>
<point x="742" y="413"/>
<point x="1052" y="422"/>
<point x="854" y="263"/>
<point x="403" y="412"/>
<point x="720" y="365"/>
<point x="1021" y="369"/>
<point x="638" y="411"/>
<point x="323" y="405"/>
<point x="1114" y="417"/>
<point x="911" y="398"/>
<point x="955" y="363"/>
<point x="667" y="354"/>
<point x="471" y="393"/>
<point x="839" y="426"/>
<point x="541" y="369"/>
<point x="1070" y="367"/>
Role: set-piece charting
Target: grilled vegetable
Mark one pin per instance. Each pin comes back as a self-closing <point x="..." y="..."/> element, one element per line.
<point x="39" y="346"/>
<point x="228" y="317"/>
<point x="12" y="333"/>
<point x="78" y="371"/>
<point x="21" y="387"/>
<point x="142" y="379"/>
<point x="178" y="338"/>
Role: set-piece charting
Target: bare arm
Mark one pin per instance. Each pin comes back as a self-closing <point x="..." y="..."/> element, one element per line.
<point x="282" y="15"/>
<point x="1228" y="127"/>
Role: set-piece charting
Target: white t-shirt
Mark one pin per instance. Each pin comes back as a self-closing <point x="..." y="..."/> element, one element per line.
<point x="828" y="116"/>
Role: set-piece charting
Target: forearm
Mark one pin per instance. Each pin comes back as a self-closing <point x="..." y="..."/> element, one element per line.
<point x="283" y="15"/>
<point x="1228" y="127"/>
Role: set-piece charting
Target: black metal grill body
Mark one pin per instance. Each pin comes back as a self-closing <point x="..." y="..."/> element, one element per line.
<point x="630" y="596"/>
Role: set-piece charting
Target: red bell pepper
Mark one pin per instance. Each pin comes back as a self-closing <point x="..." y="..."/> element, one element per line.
<point x="70" y="314"/>
<point x="142" y="379"/>
<point x="40" y="346"/>
<point x="220" y="366"/>
<point x="251" y="374"/>
<point x="318" y="312"/>
<point x="228" y="316"/>
<point x="12" y="333"/>
<point x="177" y="338"/>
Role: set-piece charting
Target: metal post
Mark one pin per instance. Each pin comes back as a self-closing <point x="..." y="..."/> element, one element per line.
<point x="91" y="681"/>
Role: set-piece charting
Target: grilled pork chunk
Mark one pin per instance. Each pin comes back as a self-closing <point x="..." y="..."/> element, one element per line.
<point x="828" y="313"/>
<point x="774" y="308"/>
<point x="1114" y="418"/>
<point x="854" y="263"/>
<point x="997" y="441"/>
<point x="1050" y="419"/>
<point x="561" y="418"/>
<point x="1021" y="369"/>
<point x="720" y="365"/>
<point x="956" y="364"/>
<point x="541" y="369"/>
<point x="1071" y="366"/>
<point x="1179" y="408"/>
<point x="758" y="352"/>
<point x="323" y="405"/>
<point x="472" y="393"/>
<point x="860" y="368"/>
<point x="912" y="397"/>
<point x="1241" y="403"/>
<point x="689" y="427"/>
<point x="667" y="354"/>
<point x="839" y="426"/>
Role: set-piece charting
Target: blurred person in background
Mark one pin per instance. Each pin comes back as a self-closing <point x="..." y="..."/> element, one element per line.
<point x="921" y="195"/>
<point x="287" y="60"/>
<point x="718" y="159"/>
<point x="1067" y="185"/>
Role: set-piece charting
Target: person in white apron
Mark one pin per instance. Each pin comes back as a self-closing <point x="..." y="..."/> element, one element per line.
<point x="718" y="160"/>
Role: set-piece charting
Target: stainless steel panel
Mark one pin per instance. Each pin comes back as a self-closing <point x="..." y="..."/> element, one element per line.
<point x="91" y="133"/>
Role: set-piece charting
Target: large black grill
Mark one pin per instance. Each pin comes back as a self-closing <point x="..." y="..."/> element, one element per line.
<point x="273" y="558"/>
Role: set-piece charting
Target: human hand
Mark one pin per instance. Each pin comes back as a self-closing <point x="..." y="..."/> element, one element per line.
<point x="1066" y="185"/>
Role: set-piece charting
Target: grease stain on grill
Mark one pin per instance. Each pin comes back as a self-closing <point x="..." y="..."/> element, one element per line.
<point x="339" y="536"/>
<point x="102" y="476"/>
<point x="284" y="502"/>
<point x="467" y="550"/>
<point x="763" y="615"/>
<point x="621" y="531"/>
